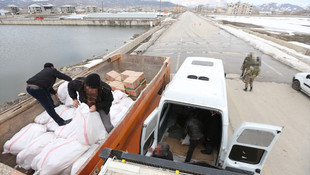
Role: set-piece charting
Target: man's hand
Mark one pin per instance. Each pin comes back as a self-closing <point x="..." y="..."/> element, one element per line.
<point x="76" y="103"/>
<point x="92" y="108"/>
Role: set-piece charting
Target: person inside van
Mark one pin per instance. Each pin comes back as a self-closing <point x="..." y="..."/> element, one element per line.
<point x="162" y="150"/>
<point x="212" y="124"/>
<point x="193" y="127"/>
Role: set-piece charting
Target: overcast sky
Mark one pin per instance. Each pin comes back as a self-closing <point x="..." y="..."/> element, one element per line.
<point x="224" y="2"/>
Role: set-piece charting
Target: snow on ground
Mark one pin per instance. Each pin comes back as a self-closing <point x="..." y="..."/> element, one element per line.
<point x="280" y="24"/>
<point x="300" y="44"/>
<point x="92" y="63"/>
<point x="286" y="55"/>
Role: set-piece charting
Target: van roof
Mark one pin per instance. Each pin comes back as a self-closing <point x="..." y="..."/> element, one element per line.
<point x="199" y="81"/>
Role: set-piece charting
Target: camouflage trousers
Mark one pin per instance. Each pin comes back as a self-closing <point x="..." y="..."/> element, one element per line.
<point x="248" y="81"/>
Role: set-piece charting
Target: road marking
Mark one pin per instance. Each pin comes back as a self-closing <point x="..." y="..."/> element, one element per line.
<point x="272" y="68"/>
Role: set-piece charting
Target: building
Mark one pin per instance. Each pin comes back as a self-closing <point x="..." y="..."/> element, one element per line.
<point x="67" y="9"/>
<point x="41" y="9"/>
<point x="91" y="9"/>
<point x="13" y="9"/>
<point x="178" y="9"/>
<point x="265" y="12"/>
<point x="4" y="12"/>
<point x="48" y="9"/>
<point x="239" y="9"/>
<point x="34" y="9"/>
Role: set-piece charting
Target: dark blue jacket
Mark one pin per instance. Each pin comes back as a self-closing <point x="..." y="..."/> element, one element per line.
<point x="46" y="79"/>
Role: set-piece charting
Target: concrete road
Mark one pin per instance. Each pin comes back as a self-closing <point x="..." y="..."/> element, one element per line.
<point x="272" y="100"/>
<point x="192" y="35"/>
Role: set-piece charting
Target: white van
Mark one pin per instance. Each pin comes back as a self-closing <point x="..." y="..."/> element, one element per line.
<point x="200" y="85"/>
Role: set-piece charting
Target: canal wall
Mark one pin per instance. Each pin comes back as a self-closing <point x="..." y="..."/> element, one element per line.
<point x="82" y="22"/>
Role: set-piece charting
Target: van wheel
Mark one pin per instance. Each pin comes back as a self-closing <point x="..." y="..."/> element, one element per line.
<point x="296" y="85"/>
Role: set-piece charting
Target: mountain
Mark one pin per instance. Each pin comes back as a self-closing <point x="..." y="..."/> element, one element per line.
<point x="106" y="3"/>
<point x="279" y="7"/>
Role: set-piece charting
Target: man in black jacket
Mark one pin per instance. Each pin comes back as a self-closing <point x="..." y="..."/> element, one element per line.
<point x="193" y="128"/>
<point x="40" y="86"/>
<point x="96" y="94"/>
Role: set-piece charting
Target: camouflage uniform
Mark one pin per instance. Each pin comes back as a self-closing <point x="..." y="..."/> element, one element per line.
<point x="248" y="61"/>
<point x="250" y="74"/>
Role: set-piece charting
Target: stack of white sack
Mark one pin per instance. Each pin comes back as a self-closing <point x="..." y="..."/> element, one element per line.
<point x="63" y="112"/>
<point x="20" y="140"/>
<point x="44" y="117"/>
<point x="58" y="156"/>
<point x="79" y="162"/>
<point x="26" y="156"/>
<point x="55" y="152"/>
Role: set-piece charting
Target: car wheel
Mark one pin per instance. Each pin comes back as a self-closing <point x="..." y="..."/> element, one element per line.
<point x="296" y="85"/>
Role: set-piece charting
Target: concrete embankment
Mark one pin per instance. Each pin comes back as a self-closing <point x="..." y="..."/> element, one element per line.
<point x="81" y="22"/>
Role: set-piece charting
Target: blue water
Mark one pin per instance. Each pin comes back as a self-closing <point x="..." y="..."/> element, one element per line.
<point x="24" y="50"/>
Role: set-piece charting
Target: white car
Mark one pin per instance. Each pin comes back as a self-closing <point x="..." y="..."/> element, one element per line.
<point x="301" y="82"/>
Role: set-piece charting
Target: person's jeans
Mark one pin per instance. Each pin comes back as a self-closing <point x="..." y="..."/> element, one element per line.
<point x="106" y="120"/>
<point x="191" y="148"/>
<point x="45" y="99"/>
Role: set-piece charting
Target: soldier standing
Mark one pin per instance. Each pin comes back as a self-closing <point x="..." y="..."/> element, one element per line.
<point x="248" y="60"/>
<point x="251" y="73"/>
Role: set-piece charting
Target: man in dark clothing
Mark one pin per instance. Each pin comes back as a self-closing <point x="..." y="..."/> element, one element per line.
<point x="96" y="94"/>
<point x="193" y="129"/>
<point x="162" y="150"/>
<point x="212" y="125"/>
<point x="40" y="86"/>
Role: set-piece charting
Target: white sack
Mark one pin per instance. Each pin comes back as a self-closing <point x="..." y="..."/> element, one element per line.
<point x="63" y="94"/>
<point x="119" y="110"/>
<point x="118" y="95"/>
<point x="65" y="113"/>
<point x="69" y="129"/>
<point x="44" y="117"/>
<point x="57" y="156"/>
<point x="78" y="163"/>
<point x="26" y="156"/>
<point x="19" y="141"/>
<point x="91" y="128"/>
<point x="186" y="140"/>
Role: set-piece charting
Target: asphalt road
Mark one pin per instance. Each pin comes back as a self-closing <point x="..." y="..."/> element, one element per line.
<point x="272" y="100"/>
<point x="192" y="35"/>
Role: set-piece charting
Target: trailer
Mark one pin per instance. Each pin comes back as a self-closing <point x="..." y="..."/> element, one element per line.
<point x="124" y="136"/>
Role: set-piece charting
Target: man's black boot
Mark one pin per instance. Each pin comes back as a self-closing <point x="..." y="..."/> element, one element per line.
<point x="245" y="89"/>
<point x="251" y="89"/>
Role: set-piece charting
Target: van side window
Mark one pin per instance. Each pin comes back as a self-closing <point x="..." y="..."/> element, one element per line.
<point x="246" y="154"/>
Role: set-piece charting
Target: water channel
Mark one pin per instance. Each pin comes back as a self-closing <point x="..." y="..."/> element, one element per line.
<point x="24" y="49"/>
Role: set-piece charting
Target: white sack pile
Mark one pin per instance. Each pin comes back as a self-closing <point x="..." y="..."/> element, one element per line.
<point x="60" y="151"/>
<point x="20" y="140"/>
<point x="25" y="157"/>
<point x="57" y="156"/>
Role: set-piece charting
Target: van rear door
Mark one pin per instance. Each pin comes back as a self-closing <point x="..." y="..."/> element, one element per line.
<point x="149" y="132"/>
<point x="249" y="147"/>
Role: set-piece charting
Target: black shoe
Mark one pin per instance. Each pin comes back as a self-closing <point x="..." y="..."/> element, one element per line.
<point x="208" y="150"/>
<point x="245" y="89"/>
<point x="65" y="122"/>
<point x="251" y="89"/>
